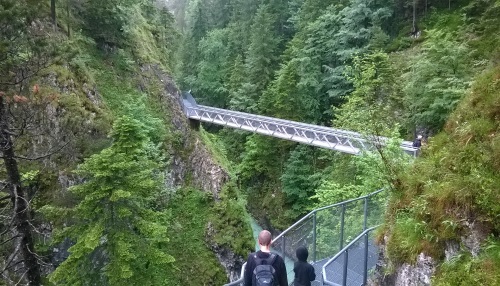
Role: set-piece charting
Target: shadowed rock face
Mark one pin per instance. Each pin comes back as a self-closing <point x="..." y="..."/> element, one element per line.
<point x="190" y="160"/>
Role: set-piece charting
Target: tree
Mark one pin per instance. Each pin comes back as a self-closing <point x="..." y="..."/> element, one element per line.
<point x="20" y="219"/>
<point x="53" y="12"/>
<point x="261" y="60"/>
<point x="299" y="178"/>
<point x="213" y="68"/>
<point x="23" y="53"/>
<point x="119" y="230"/>
<point x="375" y="104"/>
<point x="435" y="81"/>
<point x="104" y="20"/>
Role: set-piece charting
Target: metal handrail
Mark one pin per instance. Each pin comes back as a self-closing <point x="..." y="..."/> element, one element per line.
<point x="312" y="213"/>
<point x="345" y="250"/>
<point x="242" y="277"/>
<point x="358" y="138"/>
<point x="323" y="208"/>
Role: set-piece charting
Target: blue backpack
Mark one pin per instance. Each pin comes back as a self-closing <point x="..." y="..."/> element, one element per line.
<point x="264" y="273"/>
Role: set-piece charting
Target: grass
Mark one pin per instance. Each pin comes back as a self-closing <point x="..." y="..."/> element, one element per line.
<point x="195" y="263"/>
<point x="464" y="269"/>
<point x="457" y="180"/>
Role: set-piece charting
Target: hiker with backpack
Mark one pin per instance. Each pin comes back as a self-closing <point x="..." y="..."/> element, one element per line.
<point x="263" y="267"/>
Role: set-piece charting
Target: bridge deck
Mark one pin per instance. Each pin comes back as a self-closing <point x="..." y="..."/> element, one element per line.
<point x="325" y="137"/>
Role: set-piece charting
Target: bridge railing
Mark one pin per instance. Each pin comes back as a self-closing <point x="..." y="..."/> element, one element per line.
<point x="326" y="137"/>
<point x="340" y="270"/>
<point x="325" y="231"/>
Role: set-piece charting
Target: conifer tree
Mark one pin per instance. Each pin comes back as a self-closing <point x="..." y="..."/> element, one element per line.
<point x="213" y="68"/>
<point x="261" y="59"/>
<point x="119" y="231"/>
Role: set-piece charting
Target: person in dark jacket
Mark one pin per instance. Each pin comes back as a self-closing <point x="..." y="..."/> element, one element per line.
<point x="304" y="272"/>
<point x="418" y="141"/>
<point x="265" y="239"/>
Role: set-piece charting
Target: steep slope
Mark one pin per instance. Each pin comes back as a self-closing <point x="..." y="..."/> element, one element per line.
<point x="442" y="224"/>
<point x="89" y="81"/>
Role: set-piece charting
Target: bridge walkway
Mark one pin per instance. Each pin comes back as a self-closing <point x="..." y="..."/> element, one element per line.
<point x="325" y="137"/>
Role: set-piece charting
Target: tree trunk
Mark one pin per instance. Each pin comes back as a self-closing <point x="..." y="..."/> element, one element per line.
<point x="53" y="12"/>
<point x="69" y="19"/>
<point x="414" y="28"/>
<point x="19" y="201"/>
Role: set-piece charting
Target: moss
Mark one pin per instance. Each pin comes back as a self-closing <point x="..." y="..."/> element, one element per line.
<point x="195" y="263"/>
<point x="216" y="149"/>
<point x="457" y="179"/>
<point x="230" y="221"/>
<point x="463" y="269"/>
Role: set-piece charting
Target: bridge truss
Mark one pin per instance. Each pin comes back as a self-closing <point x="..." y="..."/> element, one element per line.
<point x="325" y="137"/>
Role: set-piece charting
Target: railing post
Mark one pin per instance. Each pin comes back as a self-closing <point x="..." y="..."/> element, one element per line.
<point x="365" y="213"/>
<point x="314" y="237"/>
<point x="344" y="276"/>
<point x="342" y="227"/>
<point x="365" y="266"/>
<point x="283" y="248"/>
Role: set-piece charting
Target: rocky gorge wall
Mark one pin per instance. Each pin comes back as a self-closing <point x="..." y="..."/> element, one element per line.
<point x="76" y="124"/>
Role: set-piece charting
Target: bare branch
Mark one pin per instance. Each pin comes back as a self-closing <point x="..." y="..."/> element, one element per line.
<point x="11" y="266"/>
<point x="10" y="239"/>
<point x="43" y="156"/>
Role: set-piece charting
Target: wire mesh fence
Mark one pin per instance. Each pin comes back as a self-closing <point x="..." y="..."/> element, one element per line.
<point x="351" y="266"/>
<point x="325" y="231"/>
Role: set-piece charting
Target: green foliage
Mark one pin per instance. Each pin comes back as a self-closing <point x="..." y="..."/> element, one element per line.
<point x="120" y="232"/>
<point x="481" y="18"/>
<point x="150" y="34"/>
<point x="299" y="178"/>
<point x="260" y="63"/>
<point x="457" y="176"/>
<point x="335" y="57"/>
<point x="436" y="80"/>
<point x="374" y="170"/>
<point x="337" y="36"/>
<point x="230" y="222"/>
<point x="138" y="25"/>
<point x="412" y="236"/>
<point x="463" y="269"/>
<point x="24" y="50"/>
<point x="372" y="108"/>
<point x="104" y="20"/>
<point x="213" y="69"/>
<point x="259" y="171"/>
<point x="217" y="149"/>
<point x="195" y="262"/>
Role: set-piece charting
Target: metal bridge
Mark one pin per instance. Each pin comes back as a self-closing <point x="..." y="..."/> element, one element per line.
<point x="330" y="138"/>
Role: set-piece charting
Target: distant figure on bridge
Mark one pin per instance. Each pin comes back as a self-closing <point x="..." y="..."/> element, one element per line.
<point x="418" y="142"/>
<point x="304" y="272"/>
<point x="264" y="267"/>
